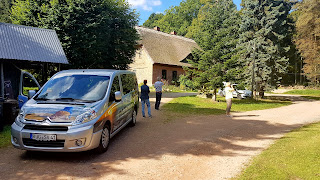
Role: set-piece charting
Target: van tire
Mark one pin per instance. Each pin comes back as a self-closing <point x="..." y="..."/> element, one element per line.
<point x="134" y="118"/>
<point x="104" y="140"/>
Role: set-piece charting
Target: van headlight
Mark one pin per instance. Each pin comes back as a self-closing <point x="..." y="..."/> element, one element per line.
<point x="85" y="117"/>
<point x="20" y="119"/>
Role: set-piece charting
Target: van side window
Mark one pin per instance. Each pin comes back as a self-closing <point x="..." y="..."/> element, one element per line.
<point x="114" y="88"/>
<point x="128" y="82"/>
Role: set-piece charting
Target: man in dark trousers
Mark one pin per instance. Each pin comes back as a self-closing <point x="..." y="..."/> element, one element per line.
<point x="158" y="85"/>
<point x="145" y="98"/>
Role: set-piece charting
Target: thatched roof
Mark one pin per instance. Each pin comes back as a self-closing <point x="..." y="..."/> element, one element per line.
<point x="165" y="48"/>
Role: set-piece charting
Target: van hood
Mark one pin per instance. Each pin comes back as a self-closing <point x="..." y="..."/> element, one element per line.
<point x="64" y="113"/>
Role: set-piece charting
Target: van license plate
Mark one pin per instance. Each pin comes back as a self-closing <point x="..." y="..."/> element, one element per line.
<point x="43" y="137"/>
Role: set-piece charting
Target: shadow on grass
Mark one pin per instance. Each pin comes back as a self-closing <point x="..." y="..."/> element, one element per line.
<point x="317" y="98"/>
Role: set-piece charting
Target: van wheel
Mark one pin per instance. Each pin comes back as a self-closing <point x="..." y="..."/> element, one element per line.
<point x="134" y="118"/>
<point x="104" y="140"/>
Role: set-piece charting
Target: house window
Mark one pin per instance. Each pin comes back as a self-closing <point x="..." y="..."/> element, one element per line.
<point x="174" y="75"/>
<point x="164" y="74"/>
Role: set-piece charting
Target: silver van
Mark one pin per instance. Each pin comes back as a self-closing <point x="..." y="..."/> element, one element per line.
<point x="77" y="110"/>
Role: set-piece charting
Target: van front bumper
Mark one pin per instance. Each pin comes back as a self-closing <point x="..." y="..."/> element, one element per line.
<point x="69" y="140"/>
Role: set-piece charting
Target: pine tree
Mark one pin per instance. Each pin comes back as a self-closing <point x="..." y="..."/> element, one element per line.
<point x="264" y="30"/>
<point x="216" y="32"/>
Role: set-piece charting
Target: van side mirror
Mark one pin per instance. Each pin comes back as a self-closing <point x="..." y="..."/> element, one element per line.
<point x="31" y="93"/>
<point x="118" y="96"/>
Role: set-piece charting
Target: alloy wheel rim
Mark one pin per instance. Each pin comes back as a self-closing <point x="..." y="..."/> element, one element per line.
<point x="134" y="117"/>
<point x="105" y="137"/>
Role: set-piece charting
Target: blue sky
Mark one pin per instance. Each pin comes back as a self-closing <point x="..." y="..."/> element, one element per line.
<point x="146" y="7"/>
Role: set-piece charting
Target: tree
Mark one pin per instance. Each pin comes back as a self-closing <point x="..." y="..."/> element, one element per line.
<point x="263" y="42"/>
<point x="216" y="31"/>
<point x="179" y="18"/>
<point x="5" y="6"/>
<point x="93" y="33"/>
<point x="308" y="37"/>
<point x="151" y="21"/>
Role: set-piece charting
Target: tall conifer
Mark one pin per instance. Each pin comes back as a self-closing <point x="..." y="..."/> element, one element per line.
<point x="264" y="29"/>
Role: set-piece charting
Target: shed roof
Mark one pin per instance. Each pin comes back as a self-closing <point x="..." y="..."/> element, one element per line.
<point x="28" y="43"/>
<point x="165" y="48"/>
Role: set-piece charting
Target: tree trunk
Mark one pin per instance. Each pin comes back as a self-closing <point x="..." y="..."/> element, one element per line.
<point x="214" y="96"/>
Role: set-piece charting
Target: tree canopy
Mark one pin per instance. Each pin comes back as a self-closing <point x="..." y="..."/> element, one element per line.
<point x="308" y="37"/>
<point x="153" y="18"/>
<point x="263" y="44"/>
<point x="216" y="31"/>
<point x="5" y="6"/>
<point x="176" y="18"/>
<point x="93" y="33"/>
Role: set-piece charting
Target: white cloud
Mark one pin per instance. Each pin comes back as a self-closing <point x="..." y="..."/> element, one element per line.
<point x="145" y="4"/>
<point x="156" y="2"/>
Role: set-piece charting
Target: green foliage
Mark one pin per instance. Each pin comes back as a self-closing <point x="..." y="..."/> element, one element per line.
<point x="153" y="18"/>
<point x="177" y="18"/>
<point x="93" y="33"/>
<point x="295" y="156"/>
<point x="306" y="93"/>
<point x="5" y="6"/>
<point x="309" y="92"/>
<point x="194" y="105"/>
<point x="308" y="37"/>
<point x="216" y="32"/>
<point x="5" y="137"/>
<point x="264" y="44"/>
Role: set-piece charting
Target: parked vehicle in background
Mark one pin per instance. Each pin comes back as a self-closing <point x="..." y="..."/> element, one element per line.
<point x="238" y="93"/>
<point x="77" y="110"/>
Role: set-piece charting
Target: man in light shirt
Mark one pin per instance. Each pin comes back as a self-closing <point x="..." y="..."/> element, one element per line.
<point x="158" y="85"/>
<point x="229" y="96"/>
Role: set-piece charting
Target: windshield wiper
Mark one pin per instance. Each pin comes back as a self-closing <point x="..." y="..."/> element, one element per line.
<point x="65" y="98"/>
<point x="72" y="99"/>
<point x="42" y="99"/>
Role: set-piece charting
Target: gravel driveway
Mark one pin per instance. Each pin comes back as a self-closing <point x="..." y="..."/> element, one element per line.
<point x="168" y="147"/>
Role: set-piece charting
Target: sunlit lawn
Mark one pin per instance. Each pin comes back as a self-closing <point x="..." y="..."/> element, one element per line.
<point x="295" y="156"/>
<point x="307" y="93"/>
<point x="196" y="105"/>
<point x="5" y="137"/>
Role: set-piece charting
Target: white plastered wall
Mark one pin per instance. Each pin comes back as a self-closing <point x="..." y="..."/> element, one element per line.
<point x="142" y="65"/>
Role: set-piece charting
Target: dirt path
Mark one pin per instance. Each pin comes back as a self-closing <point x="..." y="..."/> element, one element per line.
<point x="195" y="147"/>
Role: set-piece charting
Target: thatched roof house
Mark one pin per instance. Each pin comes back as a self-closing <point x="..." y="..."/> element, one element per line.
<point x="161" y="54"/>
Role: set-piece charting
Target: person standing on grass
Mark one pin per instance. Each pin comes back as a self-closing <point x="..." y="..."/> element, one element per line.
<point x="145" y="98"/>
<point x="229" y="96"/>
<point x="158" y="85"/>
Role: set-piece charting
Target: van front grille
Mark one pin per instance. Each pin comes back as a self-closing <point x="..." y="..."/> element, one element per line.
<point x="46" y="128"/>
<point x="35" y="143"/>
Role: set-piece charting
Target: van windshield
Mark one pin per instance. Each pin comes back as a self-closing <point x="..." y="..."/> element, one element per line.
<point x="82" y="88"/>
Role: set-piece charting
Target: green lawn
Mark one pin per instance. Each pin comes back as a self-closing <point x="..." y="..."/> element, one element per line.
<point x="194" y="105"/>
<point x="295" y="156"/>
<point x="5" y="137"/>
<point x="307" y="93"/>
